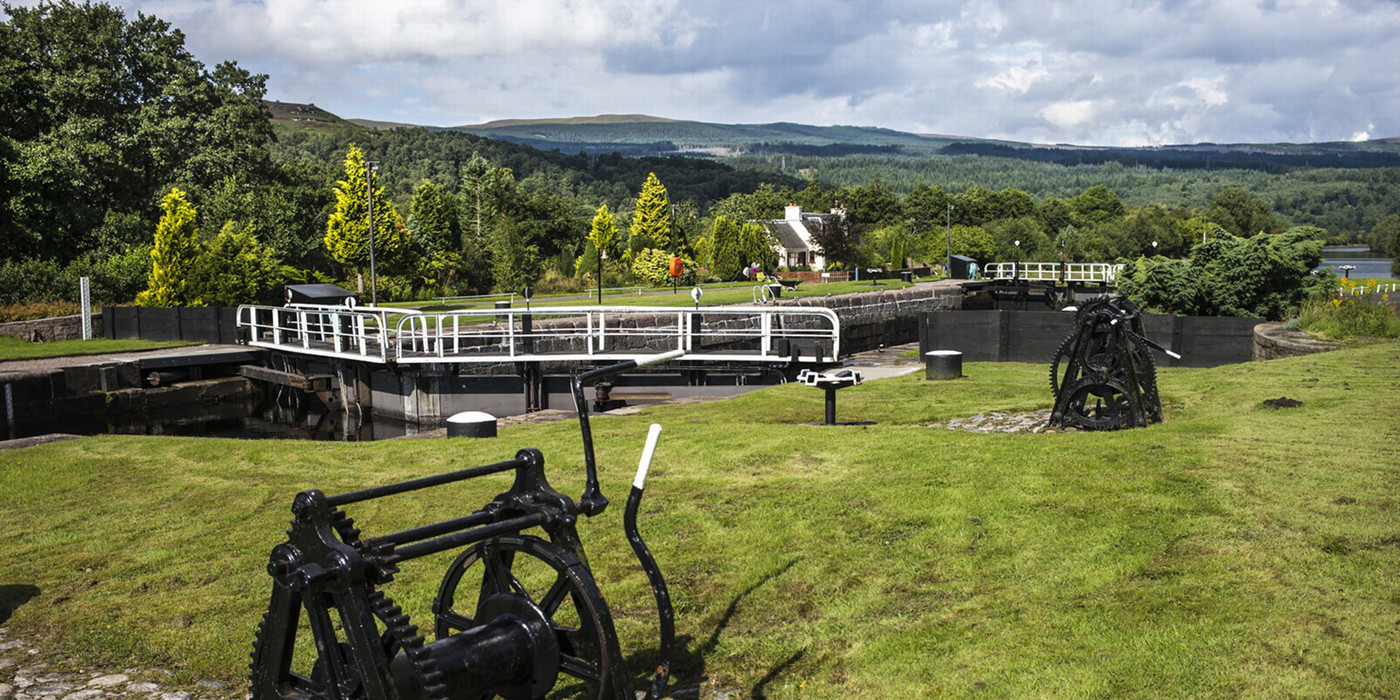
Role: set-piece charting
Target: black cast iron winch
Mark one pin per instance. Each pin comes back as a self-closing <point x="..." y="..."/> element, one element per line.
<point x="1103" y="375"/>
<point x="516" y="615"/>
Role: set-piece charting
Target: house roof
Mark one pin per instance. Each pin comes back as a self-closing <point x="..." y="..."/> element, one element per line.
<point x="786" y="235"/>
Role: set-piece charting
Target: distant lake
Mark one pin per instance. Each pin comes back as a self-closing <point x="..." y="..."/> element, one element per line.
<point x="1368" y="263"/>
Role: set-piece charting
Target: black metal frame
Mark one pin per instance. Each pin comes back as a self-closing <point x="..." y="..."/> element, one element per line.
<point x="1106" y="360"/>
<point x="509" y="645"/>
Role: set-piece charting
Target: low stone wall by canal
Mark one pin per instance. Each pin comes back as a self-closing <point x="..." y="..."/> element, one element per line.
<point x="1272" y="341"/>
<point x="53" y="328"/>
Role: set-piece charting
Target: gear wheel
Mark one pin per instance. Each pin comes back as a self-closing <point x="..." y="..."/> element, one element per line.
<point x="399" y="636"/>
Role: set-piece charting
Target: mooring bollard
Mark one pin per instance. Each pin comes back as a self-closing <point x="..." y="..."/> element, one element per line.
<point x="478" y="424"/>
<point x="943" y="364"/>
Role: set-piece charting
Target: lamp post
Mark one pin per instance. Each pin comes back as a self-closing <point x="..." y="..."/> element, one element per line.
<point x="1154" y="248"/>
<point x="602" y="255"/>
<point x="948" y="266"/>
<point x="370" y="168"/>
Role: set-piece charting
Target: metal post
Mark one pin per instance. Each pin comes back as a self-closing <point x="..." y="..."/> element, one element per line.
<point x="370" y="167"/>
<point x="831" y="405"/>
<point x="85" y="295"/>
<point x="948" y="266"/>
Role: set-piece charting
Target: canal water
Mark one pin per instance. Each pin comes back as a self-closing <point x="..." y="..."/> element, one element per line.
<point x="278" y="422"/>
<point x="1368" y="263"/>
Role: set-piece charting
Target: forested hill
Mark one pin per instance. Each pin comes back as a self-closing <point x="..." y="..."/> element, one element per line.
<point x="642" y="135"/>
<point x="410" y="155"/>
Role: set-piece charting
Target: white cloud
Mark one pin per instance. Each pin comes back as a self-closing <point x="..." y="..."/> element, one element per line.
<point x="1069" y="114"/>
<point x="1064" y="71"/>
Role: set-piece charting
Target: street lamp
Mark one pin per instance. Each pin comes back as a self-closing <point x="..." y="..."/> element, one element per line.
<point x="1017" y="243"/>
<point x="949" y="266"/>
<point x="1154" y="248"/>
<point x="602" y="255"/>
<point x="371" y="168"/>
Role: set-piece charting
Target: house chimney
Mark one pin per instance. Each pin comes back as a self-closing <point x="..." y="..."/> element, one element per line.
<point x="793" y="212"/>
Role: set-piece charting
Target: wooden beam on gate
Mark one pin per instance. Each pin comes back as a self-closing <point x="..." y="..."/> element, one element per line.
<point x="296" y="380"/>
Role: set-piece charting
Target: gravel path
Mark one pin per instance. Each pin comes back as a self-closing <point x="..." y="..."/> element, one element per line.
<point x="26" y="673"/>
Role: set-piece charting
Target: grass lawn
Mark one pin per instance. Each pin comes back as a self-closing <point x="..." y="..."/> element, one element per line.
<point x="19" y="349"/>
<point x="1233" y="550"/>
<point x="724" y="294"/>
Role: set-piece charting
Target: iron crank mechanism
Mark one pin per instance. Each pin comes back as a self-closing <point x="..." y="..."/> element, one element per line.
<point x="516" y="615"/>
<point x="1103" y="375"/>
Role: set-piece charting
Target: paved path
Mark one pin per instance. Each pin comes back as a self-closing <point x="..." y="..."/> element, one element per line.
<point x="47" y="364"/>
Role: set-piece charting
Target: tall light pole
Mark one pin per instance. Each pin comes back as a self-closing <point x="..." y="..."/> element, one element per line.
<point x="948" y="266"/>
<point x="370" y="167"/>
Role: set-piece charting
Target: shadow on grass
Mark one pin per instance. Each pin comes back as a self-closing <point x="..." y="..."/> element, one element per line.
<point x="688" y="657"/>
<point x="14" y="595"/>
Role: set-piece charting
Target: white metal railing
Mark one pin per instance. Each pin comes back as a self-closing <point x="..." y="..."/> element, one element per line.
<point x="331" y="331"/>
<point x="379" y="334"/>
<point x="723" y="333"/>
<point x="1365" y="289"/>
<point x="1053" y="271"/>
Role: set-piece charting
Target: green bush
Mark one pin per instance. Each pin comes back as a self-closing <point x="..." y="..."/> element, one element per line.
<point x="1267" y="275"/>
<point x="555" y="283"/>
<point x="653" y="266"/>
<point x="114" y="279"/>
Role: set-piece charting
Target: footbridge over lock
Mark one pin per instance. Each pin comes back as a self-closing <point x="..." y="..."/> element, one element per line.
<point x="382" y="335"/>
<point x="1056" y="284"/>
<point x="419" y="367"/>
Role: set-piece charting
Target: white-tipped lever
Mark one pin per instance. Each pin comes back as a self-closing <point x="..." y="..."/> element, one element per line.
<point x="1169" y="352"/>
<point x="653" y="433"/>
<point x="663" y="357"/>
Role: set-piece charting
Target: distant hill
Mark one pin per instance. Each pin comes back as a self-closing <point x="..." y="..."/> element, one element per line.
<point x="600" y="119"/>
<point x="647" y="135"/>
<point x="641" y="135"/>
<point x="295" y="116"/>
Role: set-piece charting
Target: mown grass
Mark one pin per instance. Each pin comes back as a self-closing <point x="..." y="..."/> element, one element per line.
<point x="19" y="349"/>
<point x="681" y="297"/>
<point x="1232" y="550"/>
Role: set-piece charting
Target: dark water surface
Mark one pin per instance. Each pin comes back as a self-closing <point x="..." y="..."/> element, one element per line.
<point x="1368" y="263"/>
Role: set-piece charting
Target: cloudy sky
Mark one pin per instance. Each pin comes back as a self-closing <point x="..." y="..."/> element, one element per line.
<point x="1077" y="71"/>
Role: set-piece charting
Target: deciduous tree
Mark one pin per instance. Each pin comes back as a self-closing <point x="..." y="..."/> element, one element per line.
<point x="433" y="219"/>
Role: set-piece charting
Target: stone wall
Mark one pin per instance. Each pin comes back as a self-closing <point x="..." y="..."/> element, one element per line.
<point x="1271" y="342"/>
<point x="883" y="317"/>
<point x="54" y="328"/>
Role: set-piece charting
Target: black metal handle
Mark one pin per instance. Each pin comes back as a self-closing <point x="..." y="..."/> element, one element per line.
<point x="593" y="502"/>
<point x="664" y="612"/>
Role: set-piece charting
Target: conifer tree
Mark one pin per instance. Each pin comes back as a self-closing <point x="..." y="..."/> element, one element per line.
<point x="174" y="256"/>
<point x="651" y="222"/>
<point x="347" y="229"/>
<point x="727" y="252"/>
<point x="603" y="233"/>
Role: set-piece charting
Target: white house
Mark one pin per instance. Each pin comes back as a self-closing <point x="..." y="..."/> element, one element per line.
<point x="794" y="235"/>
